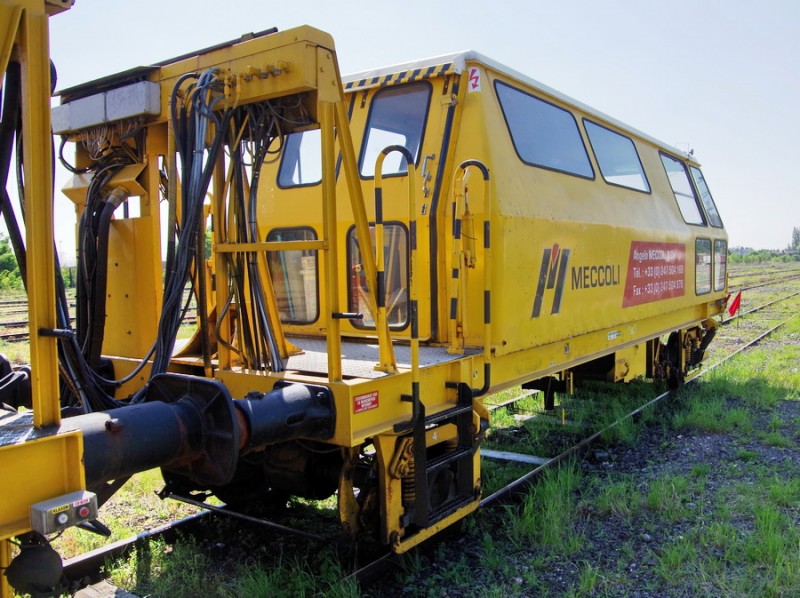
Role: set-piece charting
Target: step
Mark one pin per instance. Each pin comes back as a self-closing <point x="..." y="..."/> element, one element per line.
<point x="449" y="507"/>
<point x="447" y="458"/>
<point x="448" y="414"/>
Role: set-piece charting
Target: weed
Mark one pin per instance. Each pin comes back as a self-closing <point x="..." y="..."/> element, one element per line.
<point x="618" y="498"/>
<point x="666" y="496"/>
<point x="589" y="579"/>
<point x="719" y="535"/>
<point x="296" y="579"/>
<point x="783" y="493"/>
<point x="674" y="560"/>
<point x="160" y="569"/>
<point x="772" y="538"/>
<point x="547" y="514"/>
<point x="493" y="558"/>
<point x="745" y="455"/>
<point x="775" y="438"/>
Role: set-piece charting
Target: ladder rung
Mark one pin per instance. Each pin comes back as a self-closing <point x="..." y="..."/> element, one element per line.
<point x="445" y="459"/>
<point x="448" y="414"/>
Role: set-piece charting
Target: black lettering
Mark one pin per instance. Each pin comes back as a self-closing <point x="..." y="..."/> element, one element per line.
<point x="576" y="278"/>
<point x="586" y="277"/>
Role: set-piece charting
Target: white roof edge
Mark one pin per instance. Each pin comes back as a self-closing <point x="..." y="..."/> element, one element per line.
<point x="459" y="61"/>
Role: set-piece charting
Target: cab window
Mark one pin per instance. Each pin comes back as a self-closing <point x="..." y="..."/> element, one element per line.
<point x="702" y="266"/>
<point x="397" y="117"/>
<point x="543" y="134"/>
<point x="301" y="160"/>
<point x="617" y="157"/>
<point x="395" y="266"/>
<point x="705" y="197"/>
<point x="294" y="276"/>
<point x="683" y="190"/>
<point x="720" y="264"/>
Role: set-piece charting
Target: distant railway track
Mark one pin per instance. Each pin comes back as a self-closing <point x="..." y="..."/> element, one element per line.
<point x="89" y="566"/>
<point x="759" y="308"/>
<point x="16" y="330"/>
<point x="749" y="280"/>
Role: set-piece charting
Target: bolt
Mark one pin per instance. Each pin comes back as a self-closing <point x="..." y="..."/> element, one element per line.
<point x="113" y="425"/>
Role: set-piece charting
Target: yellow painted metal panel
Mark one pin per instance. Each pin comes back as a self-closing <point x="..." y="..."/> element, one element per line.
<point x="37" y="470"/>
<point x="34" y="56"/>
<point x="5" y="561"/>
<point x="133" y="303"/>
<point x="9" y="18"/>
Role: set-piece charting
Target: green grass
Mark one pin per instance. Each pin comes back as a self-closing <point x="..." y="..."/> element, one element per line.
<point x="667" y="496"/>
<point x="547" y="514"/>
<point x="158" y="569"/>
<point x="621" y="498"/>
<point x="296" y="579"/>
<point x="133" y="508"/>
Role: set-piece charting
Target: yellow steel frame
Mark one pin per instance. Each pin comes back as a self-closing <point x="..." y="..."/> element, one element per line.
<point x="24" y="37"/>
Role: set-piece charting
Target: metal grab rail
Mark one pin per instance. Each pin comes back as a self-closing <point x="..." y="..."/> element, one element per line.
<point x="387" y="361"/>
<point x="458" y="286"/>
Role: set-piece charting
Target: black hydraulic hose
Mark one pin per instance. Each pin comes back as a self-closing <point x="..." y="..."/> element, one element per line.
<point x="8" y="128"/>
<point x="98" y="323"/>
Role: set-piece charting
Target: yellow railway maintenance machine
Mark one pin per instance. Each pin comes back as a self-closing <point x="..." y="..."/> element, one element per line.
<point x="366" y="259"/>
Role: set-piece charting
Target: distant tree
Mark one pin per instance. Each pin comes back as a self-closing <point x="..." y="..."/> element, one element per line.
<point x="9" y="269"/>
<point x="795" y="238"/>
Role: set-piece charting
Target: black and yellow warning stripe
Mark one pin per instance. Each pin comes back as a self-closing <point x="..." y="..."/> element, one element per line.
<point x="407" y="76"/>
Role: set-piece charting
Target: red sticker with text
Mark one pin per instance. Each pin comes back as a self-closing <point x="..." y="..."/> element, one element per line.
<point x="365" y="402"/>
<point x="656" y="271"/>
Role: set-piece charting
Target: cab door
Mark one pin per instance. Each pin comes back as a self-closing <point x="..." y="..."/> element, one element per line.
<point x="406" y="114"/>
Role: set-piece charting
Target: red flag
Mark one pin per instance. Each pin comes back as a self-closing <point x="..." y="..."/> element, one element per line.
<point x="735" y="304"/>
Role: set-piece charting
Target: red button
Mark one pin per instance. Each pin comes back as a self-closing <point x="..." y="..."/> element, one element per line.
<point x="83" y="512"/>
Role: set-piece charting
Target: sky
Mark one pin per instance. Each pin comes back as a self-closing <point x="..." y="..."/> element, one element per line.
<point x="719" y="77"/>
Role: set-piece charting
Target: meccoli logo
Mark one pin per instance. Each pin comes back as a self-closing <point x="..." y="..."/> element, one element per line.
<point x="552" y="273"/>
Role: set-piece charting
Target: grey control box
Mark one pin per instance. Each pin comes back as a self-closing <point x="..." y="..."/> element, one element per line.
<point x="56" y="514"/>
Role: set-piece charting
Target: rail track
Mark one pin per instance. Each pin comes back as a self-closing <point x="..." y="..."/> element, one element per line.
<point x="87" y="567"/>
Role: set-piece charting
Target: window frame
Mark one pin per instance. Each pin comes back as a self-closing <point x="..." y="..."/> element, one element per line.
<point x="699" y="207"/>
<point x="692" y="170"/>
<point x="649" y="189"/>
<point x="364" y="136"/>
<point x="499" y="82"/>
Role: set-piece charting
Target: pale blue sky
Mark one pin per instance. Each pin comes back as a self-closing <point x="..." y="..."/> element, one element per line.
<point x="720" y="77"/>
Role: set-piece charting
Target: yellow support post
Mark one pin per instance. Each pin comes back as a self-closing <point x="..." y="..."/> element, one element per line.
<point x="331" y="255"/>
<point x="5" y="560"/>
<point x="35" y="59"/>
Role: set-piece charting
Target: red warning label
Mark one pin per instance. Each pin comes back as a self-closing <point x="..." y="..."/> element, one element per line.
<point x="656" y="271"/>
<point x="365" y="402"/>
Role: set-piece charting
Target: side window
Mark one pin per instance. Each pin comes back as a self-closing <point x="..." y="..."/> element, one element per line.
<point x="301" y="160"/>
<point x="702" y="266"/>
<point x="397" y="117"/>
<point x="294" y="276"/>
<point x="617" y="157"/>
<point x="720" y="264"/>
<point x="682" y="188"/>
<point x="543" y="134"/>
<point x="395" y="255"/>
<point x="705" y="197"/>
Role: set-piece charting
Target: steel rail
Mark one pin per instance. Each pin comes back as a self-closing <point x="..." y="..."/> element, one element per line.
<point x="89" y="564"/>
